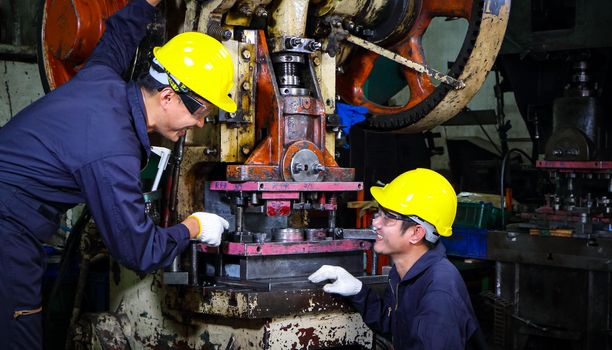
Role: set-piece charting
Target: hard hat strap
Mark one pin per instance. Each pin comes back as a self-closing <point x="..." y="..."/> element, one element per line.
<point x="430" y="230"/>
<point x="176" y="84"/>
<point x="157" y="72"/>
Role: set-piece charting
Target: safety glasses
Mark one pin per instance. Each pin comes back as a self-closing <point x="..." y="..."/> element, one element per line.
<point x="389" y="218"/>
<point x="193" y="105"/>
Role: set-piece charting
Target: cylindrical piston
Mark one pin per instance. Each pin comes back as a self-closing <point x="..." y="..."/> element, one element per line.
<point x="287" y="234"/>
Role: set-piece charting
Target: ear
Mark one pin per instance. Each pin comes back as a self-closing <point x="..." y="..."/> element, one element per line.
<point x="417" y="234"/>
<point x="166" y="96"/>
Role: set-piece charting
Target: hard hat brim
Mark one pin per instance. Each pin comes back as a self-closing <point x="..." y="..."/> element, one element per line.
<point x="379" y="195"/>
<point x="226" y="103"/>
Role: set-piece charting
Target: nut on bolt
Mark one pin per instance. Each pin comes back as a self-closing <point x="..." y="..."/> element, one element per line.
<point x="314" y="45"/>
<point x="246" y="86"/>
<point x="246" y="54"/>
<point x="298" y="167"/>
<point x="293" y="42"/>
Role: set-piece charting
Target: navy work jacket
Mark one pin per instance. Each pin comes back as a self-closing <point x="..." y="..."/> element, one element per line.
<point x="429" y="308"/>
<point x="85" y="142"/>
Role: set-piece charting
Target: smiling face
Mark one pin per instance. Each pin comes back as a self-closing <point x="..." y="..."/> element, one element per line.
<point x="393" y="237"/>
<point x="176" y="117"/>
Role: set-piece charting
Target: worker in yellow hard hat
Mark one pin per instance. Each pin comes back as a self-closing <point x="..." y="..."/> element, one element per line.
<point x="426" y="304"/>
<point x="85" y="142"/>
<point x="195" y="68"/>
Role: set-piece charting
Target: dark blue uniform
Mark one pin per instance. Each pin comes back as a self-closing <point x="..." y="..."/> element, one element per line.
<point x="84" y="142"/>
<point x="428" y="309"/>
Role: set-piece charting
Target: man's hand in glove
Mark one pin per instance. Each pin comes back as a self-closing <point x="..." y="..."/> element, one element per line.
<point x="208" y="227"/>
<point x="344" y="283"/>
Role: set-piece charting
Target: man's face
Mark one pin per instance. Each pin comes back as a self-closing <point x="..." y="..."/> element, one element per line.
<point x="390" y="238"/>
<point x="183" y="112"/>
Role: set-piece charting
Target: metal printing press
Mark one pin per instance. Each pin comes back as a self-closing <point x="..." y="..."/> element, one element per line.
<point x="553" y="264"/>
<point x="270" y="167"/>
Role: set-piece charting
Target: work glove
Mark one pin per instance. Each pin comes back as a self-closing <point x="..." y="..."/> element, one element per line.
<point x="344" y="283"/>
<point x="211" y="227"/>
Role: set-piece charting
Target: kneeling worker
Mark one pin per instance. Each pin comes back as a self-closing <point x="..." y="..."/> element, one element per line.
<point x="426" y="304"/>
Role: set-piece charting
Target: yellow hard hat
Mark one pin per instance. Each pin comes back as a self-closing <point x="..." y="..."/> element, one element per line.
<point x="423" y="193"/>
<point x="202" y="64"/>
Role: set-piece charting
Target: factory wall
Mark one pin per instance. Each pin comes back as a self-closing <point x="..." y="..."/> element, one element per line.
<point x="19" y="86"/>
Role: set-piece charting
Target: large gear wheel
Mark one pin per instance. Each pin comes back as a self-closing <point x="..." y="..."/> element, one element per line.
<point x="68" y="33"/>
<point x="430" y="105"/>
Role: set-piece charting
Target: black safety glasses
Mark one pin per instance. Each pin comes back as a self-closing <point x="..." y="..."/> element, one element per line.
<point x="194" y="106"/>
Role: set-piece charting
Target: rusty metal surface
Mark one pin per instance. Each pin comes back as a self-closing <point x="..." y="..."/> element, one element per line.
<point x="486" y="46"/>
<point x="428" y="105"/>
<point x="216" y="318"/>
<point x="194" y="171"/>
<point x="278" y="248"/>
<point x="249" y="304"/>
<point x="278" y="186"/>
<point x="421" y="68"/>
<point x="106" y="330"/>
<point x="237" y="130"/>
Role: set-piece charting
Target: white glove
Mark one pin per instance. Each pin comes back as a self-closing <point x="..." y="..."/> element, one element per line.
<point x="344" y="283"/>
<point x="211" y="227"/>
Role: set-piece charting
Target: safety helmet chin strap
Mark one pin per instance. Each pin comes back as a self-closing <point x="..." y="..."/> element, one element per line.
<point x="430" y="230"/>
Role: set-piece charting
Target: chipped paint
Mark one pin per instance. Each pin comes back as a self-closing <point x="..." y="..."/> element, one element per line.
<point x="145" y="320"/>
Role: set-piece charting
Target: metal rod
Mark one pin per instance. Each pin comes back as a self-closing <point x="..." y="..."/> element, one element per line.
<point x="193" y="271"/>
<point x="421" y="68"/>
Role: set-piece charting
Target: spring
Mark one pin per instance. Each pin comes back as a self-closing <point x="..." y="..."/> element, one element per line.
<point x="218" y="32"/>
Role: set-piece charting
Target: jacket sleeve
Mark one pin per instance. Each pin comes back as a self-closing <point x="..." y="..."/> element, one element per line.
<point x="124" y="31"/>
<point x="111" y="187"/>
<point x="374" y="309"/>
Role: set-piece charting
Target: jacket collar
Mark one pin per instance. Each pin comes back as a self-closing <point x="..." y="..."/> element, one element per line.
<point x="437" y="253"/>
<point x="138" y="114"/>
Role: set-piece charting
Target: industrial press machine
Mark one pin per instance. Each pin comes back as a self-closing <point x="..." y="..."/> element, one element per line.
<point x="270" y="168"/>
<point x="552" y="261"/>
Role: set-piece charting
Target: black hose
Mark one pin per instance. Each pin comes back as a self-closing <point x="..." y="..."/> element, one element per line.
<point x="73" y="243"/>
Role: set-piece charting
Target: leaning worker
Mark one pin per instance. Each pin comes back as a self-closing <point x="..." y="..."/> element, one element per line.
<point x="86" y="142"/>
<point x="426" y="304"/>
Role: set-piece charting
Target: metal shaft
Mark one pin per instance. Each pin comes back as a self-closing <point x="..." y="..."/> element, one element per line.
<point x="421" y="68"/>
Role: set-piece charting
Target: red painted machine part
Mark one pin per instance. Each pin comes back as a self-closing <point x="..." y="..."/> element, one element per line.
<point x="70" y="31"/>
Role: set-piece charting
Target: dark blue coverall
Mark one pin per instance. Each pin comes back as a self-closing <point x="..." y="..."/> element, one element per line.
<point x="429" y="308"/>
<point x="83" y="142"/>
